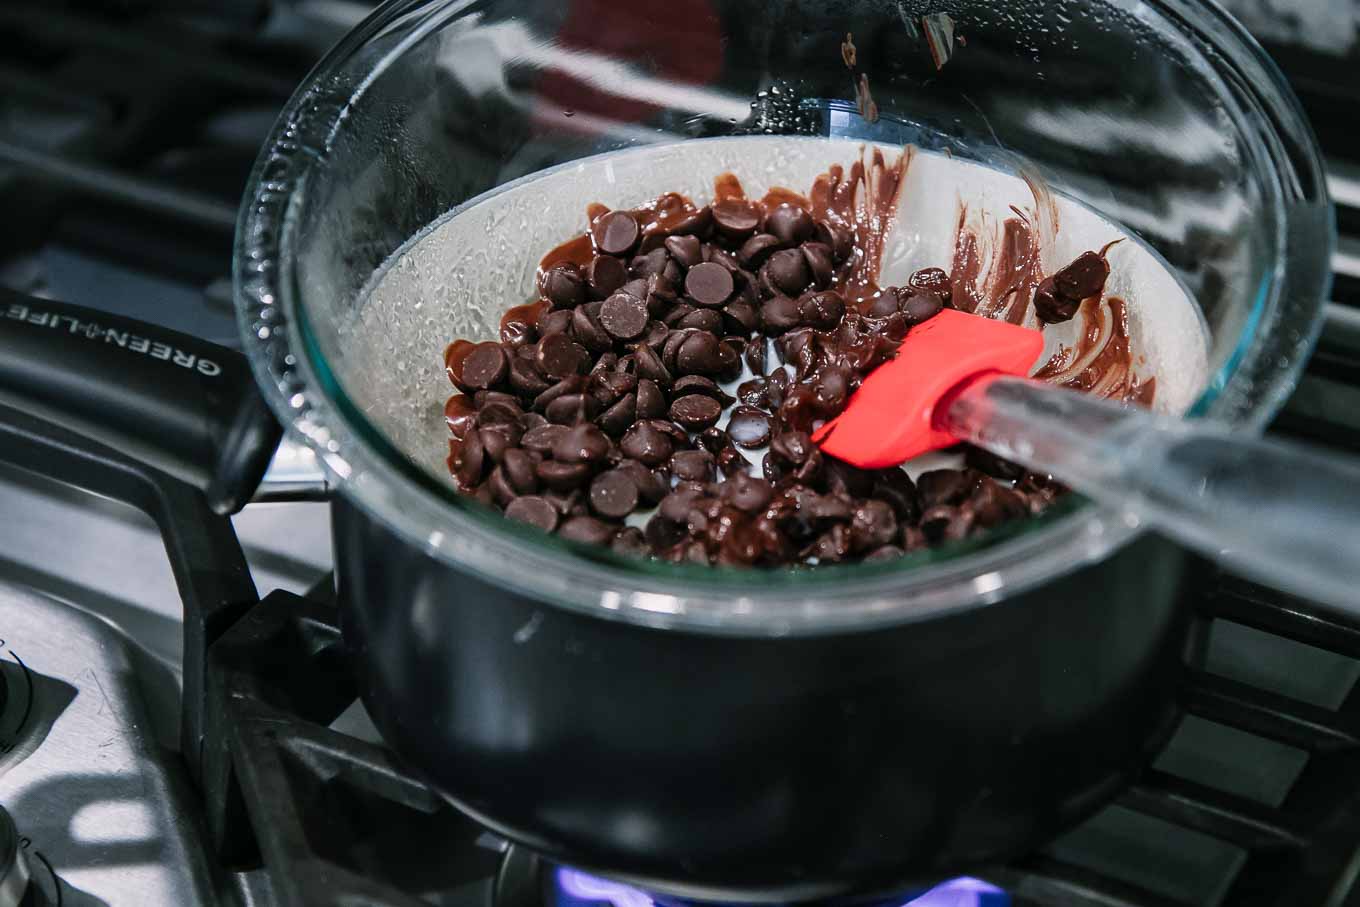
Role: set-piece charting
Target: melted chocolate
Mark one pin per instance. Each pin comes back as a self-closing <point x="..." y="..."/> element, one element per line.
<point x="865" y="203"/>
<point x="1100" y="362"/>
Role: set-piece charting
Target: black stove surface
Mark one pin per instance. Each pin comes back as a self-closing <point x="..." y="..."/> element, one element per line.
<point x="126" y="133"/>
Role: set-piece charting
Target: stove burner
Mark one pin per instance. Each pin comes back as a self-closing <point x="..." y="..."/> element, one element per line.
<point x="573" y="888"/>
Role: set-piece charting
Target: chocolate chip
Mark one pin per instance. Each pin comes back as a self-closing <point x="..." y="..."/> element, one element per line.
<point x="837" y="238"/>
<point x="755" y="356"/>
<point x="562" y="476"/>
<point x="615" y="420"/>
<point x="698" y="384"/>
<point x="500" y="412"/>
<point x="793" y="447"/>
<point x="787" y="271"/>
<point x="1084" y="277"/>
<point x="501" y="491"/>
<point x="731" y="462"/>
<point x="662" y="534"/>
<point x="1052" y="307"/>
<point x="741" y="317"/>
<point x="895" y="489"/>
<point x="649" y="366"/>
<point x="604" y="275"/>
<point x="700" y="223"/>
<point x="921" y="307"/>
<point x="543" y="438"/>
<point x="613" y="494"/>
<point x="588" y="331"/>
<point x="712" y="439"/>
<point x="679" y="312"/>
<point x="780" y="314"/>
<point x="831" y="547"/>
<point x="873" y="525"/>
<point x="624" y="316"/>
<point x="944" y="523"/>
<point x="884" y="305"/>
<point x="497" y="439"/>
<point x="709" y="284"/>
<point x="819" y="262"/>
<point x="931" y="280"/>
<point x="720" y="256"/>
<point x="587" y="529"/>
<point x="686" y="250"/>
<point x="533" y="510"/>
<point x="608" y="387"/>
<point x="558" y="356"/>
<point x="736" y="219"/>
<point x="581" y="444"/>
<point x="702" y="320"/>
<point x="993" y="505"/>
<point x="729" y="359"/>
<point x="647" y="444"/>
<point x="656" y="334"/>
<point x="571" y="409"/>
<point x="652" y="484"/>
<point x="755" y="250"/>
<point x="677" y="505"/>
<point x="791" y="224"/>
<point x="822" y="310"/>
<point x="754" y="392"/>
<point x="519" y="471"/>
<point x="485" y="366"/>
<point x="749" y="427"/>
<point x="679" y="436"/>
<point x="556" y="322"/>
<point x="460" y="415"/>
<point x="943" y="487"/>
<point x="696" y="412"/>
<point x="746" y="492"/>
<point x="651" y="403"/>
<point x="629" y="541"/>
<point x="616" y="233"/>
<point x="698" y="354"/>
<point x="469" y="461"/>
<point x="572" y="384"/>
<point x="525" y="379"/>
<point x="563" y="286"/>
<point x="652" y="263"/>
<point x="694" y="465"/>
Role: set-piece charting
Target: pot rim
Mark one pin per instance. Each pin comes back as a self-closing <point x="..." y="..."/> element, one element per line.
<point x="306" y="397"/>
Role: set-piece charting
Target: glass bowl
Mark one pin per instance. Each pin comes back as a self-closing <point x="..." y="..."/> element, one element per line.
<point x="1161" y="115"/>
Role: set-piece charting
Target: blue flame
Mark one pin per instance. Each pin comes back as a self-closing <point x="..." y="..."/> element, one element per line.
<point x="577" y="889"/>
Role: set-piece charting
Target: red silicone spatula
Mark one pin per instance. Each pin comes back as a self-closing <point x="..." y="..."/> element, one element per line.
<point x="1278" y="512"/>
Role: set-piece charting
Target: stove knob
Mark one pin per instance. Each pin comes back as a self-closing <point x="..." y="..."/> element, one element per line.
<point x="15" y="890"/>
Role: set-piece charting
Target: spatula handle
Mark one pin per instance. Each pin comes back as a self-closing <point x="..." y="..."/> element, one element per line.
<point x="1280" y="513"/>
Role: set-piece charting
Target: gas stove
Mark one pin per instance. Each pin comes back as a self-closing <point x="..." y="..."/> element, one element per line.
<point x="126" y="132"/>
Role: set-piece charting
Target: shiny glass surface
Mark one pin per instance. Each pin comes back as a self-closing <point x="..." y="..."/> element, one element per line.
<point x="1162" y="115"/>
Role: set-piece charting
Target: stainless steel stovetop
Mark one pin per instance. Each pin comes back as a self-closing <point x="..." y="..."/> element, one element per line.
<point x="90" y="632"/>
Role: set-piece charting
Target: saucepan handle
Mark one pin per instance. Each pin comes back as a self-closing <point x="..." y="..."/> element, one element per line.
<point x="180" y="404"/>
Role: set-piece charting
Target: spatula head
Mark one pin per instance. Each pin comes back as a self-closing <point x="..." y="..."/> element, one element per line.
<point x="890" y="418"/>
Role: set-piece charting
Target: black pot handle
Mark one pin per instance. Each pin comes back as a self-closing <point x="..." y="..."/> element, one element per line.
<point x="180" y="404"/>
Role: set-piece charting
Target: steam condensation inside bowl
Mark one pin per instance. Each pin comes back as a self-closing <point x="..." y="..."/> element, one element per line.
<point x="457" y="277"/>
